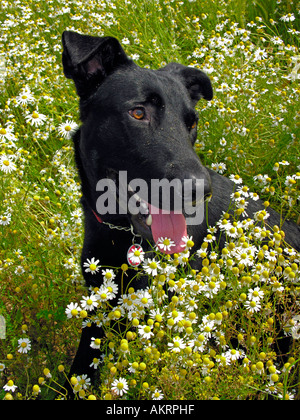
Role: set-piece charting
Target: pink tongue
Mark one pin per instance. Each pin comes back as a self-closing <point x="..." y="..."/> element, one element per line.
<point x="167" y="224"/>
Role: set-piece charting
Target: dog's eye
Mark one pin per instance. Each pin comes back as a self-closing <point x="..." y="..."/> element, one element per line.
<point x="137" y="113"/>
<point x="191" y="120"/>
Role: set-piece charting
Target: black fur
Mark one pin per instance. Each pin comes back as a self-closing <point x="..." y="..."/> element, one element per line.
<point x="160" y="146"/>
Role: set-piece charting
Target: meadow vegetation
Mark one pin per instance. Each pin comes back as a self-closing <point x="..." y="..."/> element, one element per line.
<point x="218" y="337"/>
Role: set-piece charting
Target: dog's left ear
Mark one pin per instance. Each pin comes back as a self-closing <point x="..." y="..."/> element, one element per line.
<point x="88" y="60"/>
<point x="196" y="81"/>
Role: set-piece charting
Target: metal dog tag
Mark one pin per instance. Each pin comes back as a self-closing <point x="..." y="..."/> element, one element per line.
<point x="135" y="255"/>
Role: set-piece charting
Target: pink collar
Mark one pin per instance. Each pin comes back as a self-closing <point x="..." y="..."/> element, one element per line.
<point x="97" y="217"/>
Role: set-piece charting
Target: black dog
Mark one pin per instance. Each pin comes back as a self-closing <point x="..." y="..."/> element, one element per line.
<point x="143" y="122"/>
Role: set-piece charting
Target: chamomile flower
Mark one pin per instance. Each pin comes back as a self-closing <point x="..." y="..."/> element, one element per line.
<point x="145" y="299"/>
<point x="290" y="17"/>
<point x="151" y="266"/>
<point x="255" y="294"/>
<point x="133" y="367"/>
<point x="224" y="225"/>
<point x="157" y="314"/>
<point x="35" y="118"/>
<point x="236" y="179"/>
<point x="210" y="238"/>
<point x="184" y="256"/>
<point x="69" y="263"/>
<point x="219" y="167"/>
<point x="145" y="331"/>
<point x="7" y="165"/>
<point x="106" y="293"/>
<point x="76" y="215"/>
<point x="112" y="288"/>
<point x="187" y="242"/>
<point x="176" y="316"/>
<point x="252" y="306"/>
<point x="6" y="133"/>
<point x="108" y="274"/>
<point x="5" y="219"/>
<point x="91" y="265"/>
<point x="211" y="288"/>
<point x="36" y="390"/>
<point x="19" y="270"/>
<point x="157" y="395"/>
<point x="73" y="310"/>
<point x="24" y="345"/>
<point x="254" y="196"/>
<point x="119" y="386"/>
<point x="223" y="142"/>
<point x="83" y="381"/>
<point x="295" y="331"/>
<point x="25" y="97"/>
<point x="245" y="257"/>
<point x="165" y="244"/>
<point x="231" y="230"/>
<point x="95" y="363"/>
<point x="233" y="355"/>
<point x="67" y="129"/>
<point x="95" y="343"/>
<point x="261" y="215"/>
<point x="89" y="303"/>
<point x="10" y="386"/>
<point x="177" y="345"/>
<point x="260" y="54"/>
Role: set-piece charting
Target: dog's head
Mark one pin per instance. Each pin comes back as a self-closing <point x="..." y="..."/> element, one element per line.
<point x="140" y="124"/>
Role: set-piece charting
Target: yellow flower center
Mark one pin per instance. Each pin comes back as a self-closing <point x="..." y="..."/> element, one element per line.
<point x="153" y="265"/>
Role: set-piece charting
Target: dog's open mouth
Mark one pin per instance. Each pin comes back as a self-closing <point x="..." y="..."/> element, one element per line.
<point x="162" y="218"/>
<point x="157" y="224"/>
<point x="162" y="225"/>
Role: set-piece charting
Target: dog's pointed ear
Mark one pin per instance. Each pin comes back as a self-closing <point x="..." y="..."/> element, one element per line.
<point x="88" y="60"/>
<point x="196" y="81"/>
